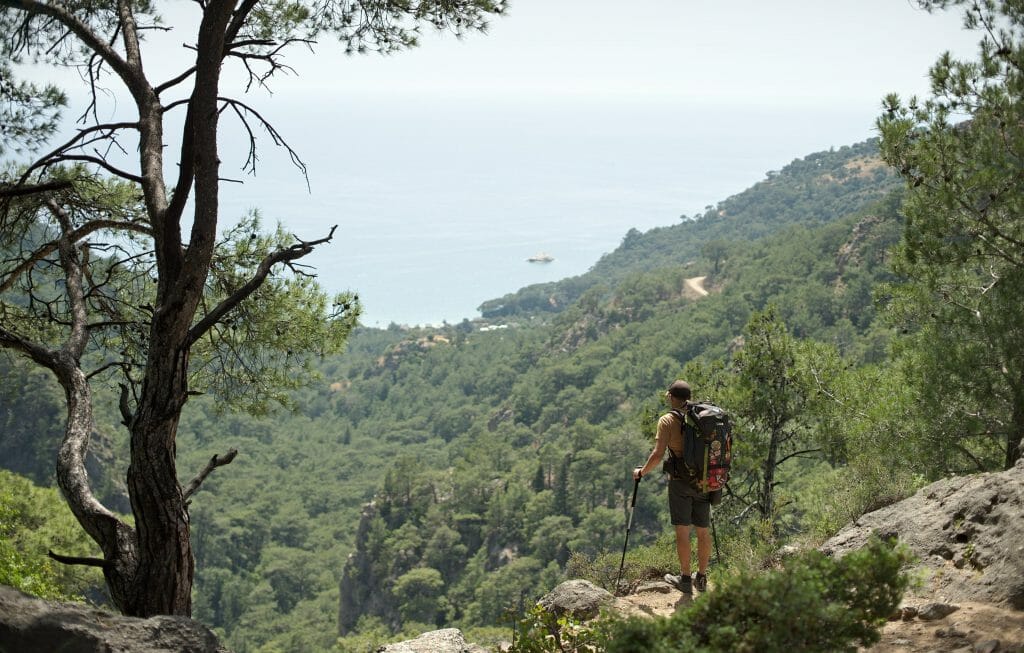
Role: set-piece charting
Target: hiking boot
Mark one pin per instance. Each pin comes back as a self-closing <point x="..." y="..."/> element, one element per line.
<point x="681" y="583"/>
<point x="700" y="582"/>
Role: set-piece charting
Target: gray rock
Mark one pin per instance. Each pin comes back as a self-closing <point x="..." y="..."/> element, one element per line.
<point x="935" y="611"/>
<point x="967" y="531"/>
<point x="447" y="640"/>
<point x="579" y="598"/>
<point x="988" y="646"/>
<point x="31" y="624"/>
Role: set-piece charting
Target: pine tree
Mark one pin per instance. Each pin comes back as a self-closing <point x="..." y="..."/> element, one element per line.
<point x="960" y="152"/>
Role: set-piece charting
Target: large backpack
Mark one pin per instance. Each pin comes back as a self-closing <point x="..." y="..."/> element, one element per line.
<point x="707" y="445"/>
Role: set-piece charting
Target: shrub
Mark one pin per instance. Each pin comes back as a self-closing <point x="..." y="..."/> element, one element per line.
<point x="34" y="520"/>
<point x="642" y="563"/>
<point x="842" y="495"/>
<point x="815" y="604"/>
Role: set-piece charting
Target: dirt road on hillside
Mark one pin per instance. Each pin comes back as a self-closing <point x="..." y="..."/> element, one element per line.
<point x="696" y="284"/>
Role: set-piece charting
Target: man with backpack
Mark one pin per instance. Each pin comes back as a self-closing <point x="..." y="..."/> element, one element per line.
<point x="688" y="503"/>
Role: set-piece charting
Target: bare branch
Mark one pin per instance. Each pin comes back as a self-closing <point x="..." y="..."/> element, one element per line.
<point x="74" y="560"/>
<point x="174" y="81"/>
<point x="269" y="58"/>
<point x="35" y="351"/>
<point x="214" y="463"/>
<point x="132" y="77"/>
<point x="18" y="190"/>
<point x="978" y="464"/>
<point x="738" y="518"/>
<point x="238" y="19"/>
<point x="78" y="140"/>
<point x="286" y="255"/>
<point x="242" y="110"/>
<point x="101" y="162"/>
<point x="103" y="368"/>
<point x="796" y="454"/>
<point x="821" y="388"/>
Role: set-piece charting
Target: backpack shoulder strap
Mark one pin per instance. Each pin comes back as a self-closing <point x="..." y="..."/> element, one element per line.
<point x="684" y="426"/>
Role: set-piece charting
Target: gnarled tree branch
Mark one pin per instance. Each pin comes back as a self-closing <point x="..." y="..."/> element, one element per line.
<point x="214" y="463"/>
<point x="75" y="560"/>
<point x="288" y="254"/>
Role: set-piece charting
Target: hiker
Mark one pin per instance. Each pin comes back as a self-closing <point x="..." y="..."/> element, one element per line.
<point x="686" y="503"/>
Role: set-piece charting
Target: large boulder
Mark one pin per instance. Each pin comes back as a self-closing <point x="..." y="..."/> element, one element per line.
<point x="31" y="624"/>
<point x="968" y="532"/>
<point x="579" y="598"/>
<point x="448" y="640"/>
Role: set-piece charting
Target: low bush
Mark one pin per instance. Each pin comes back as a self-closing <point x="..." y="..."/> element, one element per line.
<point x="815" y="604"/>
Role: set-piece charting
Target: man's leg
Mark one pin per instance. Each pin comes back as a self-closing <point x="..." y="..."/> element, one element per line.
<point x="683" y="549"/>
<point x="703" y="549"/>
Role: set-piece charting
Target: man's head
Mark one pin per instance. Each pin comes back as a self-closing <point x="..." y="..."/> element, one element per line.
<point x="679" y="390"/>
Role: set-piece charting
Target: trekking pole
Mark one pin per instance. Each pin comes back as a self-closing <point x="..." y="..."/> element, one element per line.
<point x="714" y="536"/>
<point x="629" y="525"/>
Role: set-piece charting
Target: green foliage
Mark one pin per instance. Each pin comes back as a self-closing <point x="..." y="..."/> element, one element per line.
<point x="510" y="450"/>
<point x="268" y="346"/>
<point x="963" y="247"/>
<point x="540" y="631"/>
<point x="420" y="593"/>
<point x="29" y="113"/>
<point x="814" y="604"/>
<point x="33" y="521"/>
<point x="370" y="634"/>
<point x="30" y="431"/>
<point x="835" y="497"/>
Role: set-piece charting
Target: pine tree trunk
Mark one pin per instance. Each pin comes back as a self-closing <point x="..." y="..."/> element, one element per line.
<point x="163" y="584"/>
<point x="768" y="488"/>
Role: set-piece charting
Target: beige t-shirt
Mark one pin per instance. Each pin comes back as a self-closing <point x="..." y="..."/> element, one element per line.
<point x="670" y="431"/>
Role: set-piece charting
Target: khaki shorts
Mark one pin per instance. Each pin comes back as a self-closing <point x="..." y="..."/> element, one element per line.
<point x="686" y="506"/>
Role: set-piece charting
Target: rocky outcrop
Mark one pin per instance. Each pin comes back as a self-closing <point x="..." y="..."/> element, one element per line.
<point x="968" y="532"/>
<point x="580" y="599"/>
<point x="448" y="640"/>
<point x="584" y="601"/>
<point x="31" y="624"/>
<point x="361" y="580"/>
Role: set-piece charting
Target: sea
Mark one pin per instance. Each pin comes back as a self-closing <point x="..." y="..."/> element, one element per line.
<point x="439" y="206"/>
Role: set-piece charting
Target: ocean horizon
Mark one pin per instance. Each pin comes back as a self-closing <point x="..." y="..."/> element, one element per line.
<point x="440" y="212"/>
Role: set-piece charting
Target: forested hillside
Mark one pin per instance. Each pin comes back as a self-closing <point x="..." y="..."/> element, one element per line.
<point x="450" y="476"/>
<point x="809" y="191"/>
<point x="493" y="451"/>
<point x="858" y="313"/>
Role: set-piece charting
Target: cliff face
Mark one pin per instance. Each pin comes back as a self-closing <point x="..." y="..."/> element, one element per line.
<point x="362" y="583"/>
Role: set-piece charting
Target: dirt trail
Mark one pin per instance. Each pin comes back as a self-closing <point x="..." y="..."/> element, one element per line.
<point x="696" y="284"/>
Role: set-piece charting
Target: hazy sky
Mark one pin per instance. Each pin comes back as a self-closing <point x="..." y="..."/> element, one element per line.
<point x="571" y="121"/>
<point x="785" y="52"/>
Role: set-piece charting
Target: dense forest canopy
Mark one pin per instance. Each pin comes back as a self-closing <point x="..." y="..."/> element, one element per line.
<point x="862" y="325"/>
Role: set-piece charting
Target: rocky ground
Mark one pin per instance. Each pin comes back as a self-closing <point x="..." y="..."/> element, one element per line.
<point x="968" y="535"/>
<point x="974" y="627"/>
